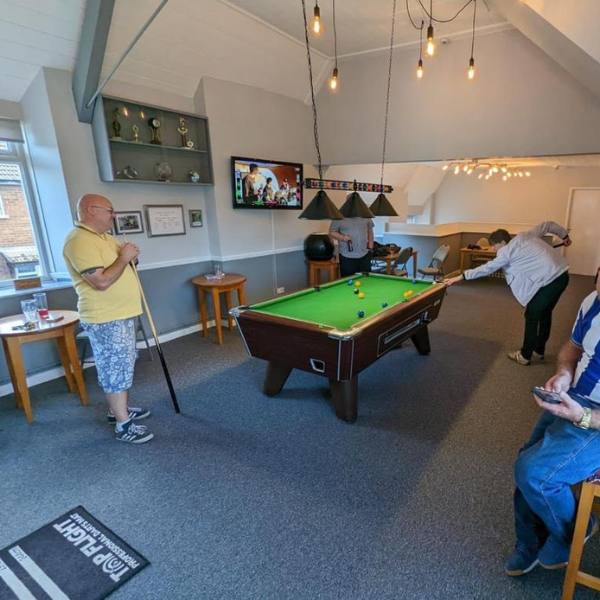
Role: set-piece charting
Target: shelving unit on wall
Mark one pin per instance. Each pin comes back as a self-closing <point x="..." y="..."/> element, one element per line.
<point x="130" y="149"/>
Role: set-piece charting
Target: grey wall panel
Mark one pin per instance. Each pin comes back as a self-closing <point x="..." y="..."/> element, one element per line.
<point x="171" y="296"/>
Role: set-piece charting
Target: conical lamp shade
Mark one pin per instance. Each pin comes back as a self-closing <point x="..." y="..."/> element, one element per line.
<point x="382" y="207"/>
<point x="355" y="207"/>
<point x="321" y="208"/>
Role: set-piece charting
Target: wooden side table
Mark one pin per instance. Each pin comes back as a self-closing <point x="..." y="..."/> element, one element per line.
<point x="215" y="287"/>
<point x="63" y="332"/>
<point x="331" y="267"/>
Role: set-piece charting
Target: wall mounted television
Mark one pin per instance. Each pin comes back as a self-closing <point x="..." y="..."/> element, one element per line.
<point x="266" y="184"/>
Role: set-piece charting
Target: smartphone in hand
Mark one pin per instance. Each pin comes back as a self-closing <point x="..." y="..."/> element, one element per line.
<point x="546" y="396"/>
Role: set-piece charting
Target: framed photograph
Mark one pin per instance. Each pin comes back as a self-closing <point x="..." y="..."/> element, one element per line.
<point x="128" y="222"/>
<point x="196" y="218"/>
<point x="164" y="219"/>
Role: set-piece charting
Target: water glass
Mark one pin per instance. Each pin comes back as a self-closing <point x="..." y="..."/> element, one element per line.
<point x="29" y="308"/>
<point x="218" y="269"/>
<point x="41" y="301"/>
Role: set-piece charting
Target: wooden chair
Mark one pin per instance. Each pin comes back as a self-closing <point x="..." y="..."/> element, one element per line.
<point x="590" y="490"/>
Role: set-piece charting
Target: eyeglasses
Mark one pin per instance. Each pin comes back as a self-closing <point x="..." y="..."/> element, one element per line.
<point x="110" y="210"/>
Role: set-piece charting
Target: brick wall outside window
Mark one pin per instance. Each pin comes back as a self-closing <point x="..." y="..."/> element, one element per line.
<point x="15" y="224"/>
<point x="16" y="229"/>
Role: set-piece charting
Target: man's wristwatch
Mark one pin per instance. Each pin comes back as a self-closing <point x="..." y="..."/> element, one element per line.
<point x="586" y="420"/>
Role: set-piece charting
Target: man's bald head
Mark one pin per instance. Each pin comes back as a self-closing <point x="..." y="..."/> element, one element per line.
<point x="95" y="211"/>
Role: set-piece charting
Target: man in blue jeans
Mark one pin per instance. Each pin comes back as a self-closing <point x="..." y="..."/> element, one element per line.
<point x="563" y="450"/>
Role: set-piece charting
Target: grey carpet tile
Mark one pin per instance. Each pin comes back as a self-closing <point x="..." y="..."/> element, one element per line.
<point x="244" y="496"/>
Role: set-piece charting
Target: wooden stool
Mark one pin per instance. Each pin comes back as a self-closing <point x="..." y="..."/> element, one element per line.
<point x="63" y="331"/>
<point x="315" y="267"/>
<point x="226" y="285"/>
<point x="590" y="489"/>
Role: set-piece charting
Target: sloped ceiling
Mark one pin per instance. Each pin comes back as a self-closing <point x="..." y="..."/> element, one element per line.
<point x="191" y="39"/>
<point x="35" y="34"/>
<point x="565" y="31"/>
<point x="364" y="26"/>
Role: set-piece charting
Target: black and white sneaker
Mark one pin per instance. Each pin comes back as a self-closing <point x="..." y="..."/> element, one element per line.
<point x="135" y="414"/>
<point x="133" y="434"/>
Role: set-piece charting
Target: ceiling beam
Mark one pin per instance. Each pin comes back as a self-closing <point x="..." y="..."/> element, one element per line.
<point x="90" y="55"/>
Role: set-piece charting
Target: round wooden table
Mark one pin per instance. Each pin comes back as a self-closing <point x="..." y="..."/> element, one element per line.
<point x="214" y="287"/>
<point x="63" y="331"/>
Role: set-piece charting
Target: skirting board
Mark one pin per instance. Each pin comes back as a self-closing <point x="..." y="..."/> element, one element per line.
<point x="56" y="372"/>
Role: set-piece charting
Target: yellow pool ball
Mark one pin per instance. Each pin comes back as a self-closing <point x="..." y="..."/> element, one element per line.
<point x="408" y="293"/>
<point x="357" y="283"/>
<point x="361" y="295"/>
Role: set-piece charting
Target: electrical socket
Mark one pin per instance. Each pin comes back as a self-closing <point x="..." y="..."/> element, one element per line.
<point x="281" y="290"/>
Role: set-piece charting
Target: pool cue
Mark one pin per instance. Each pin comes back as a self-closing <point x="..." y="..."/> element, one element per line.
<point x="163" y="362"/>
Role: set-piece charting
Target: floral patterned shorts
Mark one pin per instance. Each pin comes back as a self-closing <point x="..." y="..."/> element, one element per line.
<point x="113" y="344"/>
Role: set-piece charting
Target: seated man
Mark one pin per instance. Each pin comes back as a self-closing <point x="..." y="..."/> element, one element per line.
<point x="563" y="450"/>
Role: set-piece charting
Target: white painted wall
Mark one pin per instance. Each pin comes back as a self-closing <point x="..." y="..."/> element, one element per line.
<point x="543" y="196"/>
<point x="48" y="173"/>
<point x="247" y="121"/>
<point x="78" y="156"/>
<point x="521" y="103"/>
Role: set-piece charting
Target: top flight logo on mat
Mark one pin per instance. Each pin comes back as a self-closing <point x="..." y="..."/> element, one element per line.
<point x="73" y="557"/>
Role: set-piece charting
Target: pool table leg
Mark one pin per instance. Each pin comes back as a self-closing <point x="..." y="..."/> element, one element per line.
<point x="275" y="378"/>
<point x="344" y="395"/>
<point x="421" y="340"/>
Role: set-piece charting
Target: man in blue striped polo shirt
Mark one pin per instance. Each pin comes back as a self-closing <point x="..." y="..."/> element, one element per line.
<point x="563" y="450"/>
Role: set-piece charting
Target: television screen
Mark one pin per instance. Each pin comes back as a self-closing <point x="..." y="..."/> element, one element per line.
<point x="259" y="183"/>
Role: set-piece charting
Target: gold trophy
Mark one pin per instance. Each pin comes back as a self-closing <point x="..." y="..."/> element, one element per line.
<point x="135" y="131"/>
<point x="183" y="131"/>
<point x="116" y="126"/>
<point x="155" y="130"/>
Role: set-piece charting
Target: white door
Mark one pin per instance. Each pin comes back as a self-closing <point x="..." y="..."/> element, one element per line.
<point x="584" y="229"/>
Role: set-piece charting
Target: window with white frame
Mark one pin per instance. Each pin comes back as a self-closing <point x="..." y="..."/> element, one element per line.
<point x="20" y="247"/>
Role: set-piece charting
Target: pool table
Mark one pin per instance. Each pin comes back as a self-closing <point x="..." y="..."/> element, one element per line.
<point x="319" y="330"/>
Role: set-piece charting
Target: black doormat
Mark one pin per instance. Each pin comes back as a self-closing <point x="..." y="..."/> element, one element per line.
<point x="74" y="557"/>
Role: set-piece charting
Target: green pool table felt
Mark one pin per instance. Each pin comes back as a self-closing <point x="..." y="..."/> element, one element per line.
<point x="337" y="306"/>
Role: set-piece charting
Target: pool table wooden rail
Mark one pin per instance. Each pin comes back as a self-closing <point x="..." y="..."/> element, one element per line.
<point x="339" y="355"/>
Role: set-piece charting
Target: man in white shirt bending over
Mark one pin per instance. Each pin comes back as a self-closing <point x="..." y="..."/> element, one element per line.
<point x="537" y="275"/>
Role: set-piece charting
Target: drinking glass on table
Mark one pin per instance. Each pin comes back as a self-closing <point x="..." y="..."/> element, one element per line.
<point x="41" y="301"/>
<point x="218" y="269"/>
<point x="29" y="308"/>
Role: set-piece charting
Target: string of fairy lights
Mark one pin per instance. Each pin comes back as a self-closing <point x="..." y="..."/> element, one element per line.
<point x="427" y="15"/>
<point x="487" y="170"/>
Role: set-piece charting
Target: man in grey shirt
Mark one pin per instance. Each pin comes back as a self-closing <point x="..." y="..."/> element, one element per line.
<point x="537" y="275"/>
<point x="355" y="237"/>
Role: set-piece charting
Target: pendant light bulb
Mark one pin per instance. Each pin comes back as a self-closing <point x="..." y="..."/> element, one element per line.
<point x="471" y="71"/>
<point x="333" y="82"/>
<point x="430" y="44"/>
<point x="316" y="25"/>
<point x="420" y="69"/>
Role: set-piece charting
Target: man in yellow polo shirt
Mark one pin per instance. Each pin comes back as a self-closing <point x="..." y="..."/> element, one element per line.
<point x="109" y="302"/>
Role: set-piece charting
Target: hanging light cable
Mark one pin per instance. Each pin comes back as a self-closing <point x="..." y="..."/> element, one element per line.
<point x="333" y="82"/>
<point x="420" y="63"/>
<point x="382" y="206"/>
<point x="430" y="44"/>
<point x="320" y="207"/>
<point x="471" y="70"/>
<point x="316" y="24"/>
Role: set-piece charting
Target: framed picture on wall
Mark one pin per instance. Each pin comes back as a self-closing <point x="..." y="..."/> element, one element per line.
<point x="164" y="219"/>
<point x="128" y="222"/>
<point x="196" y="217"/>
